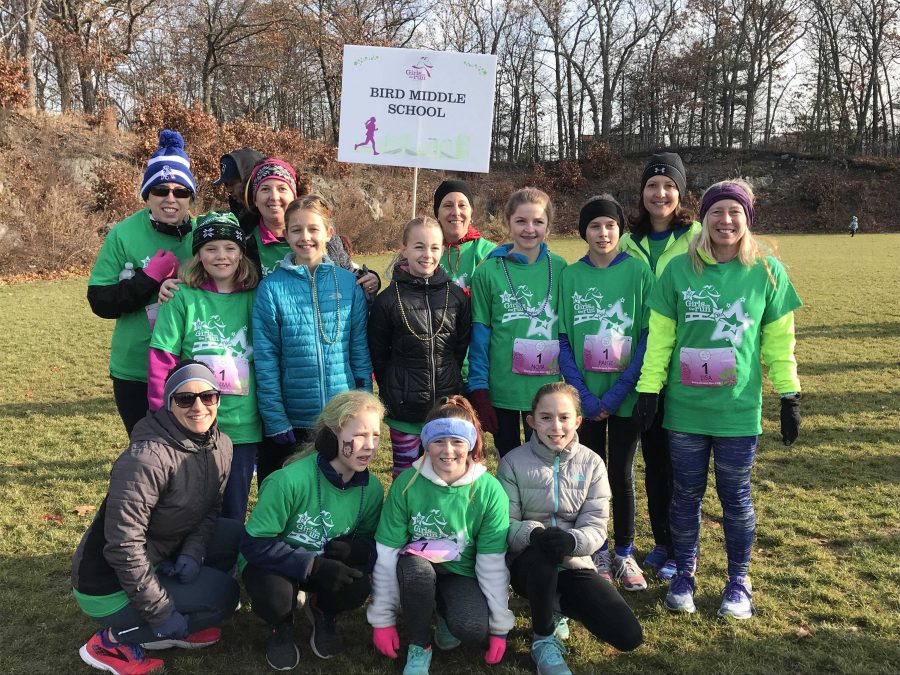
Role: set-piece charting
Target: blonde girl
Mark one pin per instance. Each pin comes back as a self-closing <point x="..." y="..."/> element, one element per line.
<point x="515" y="327"/>
<point x="209" y="321"/>
<point x="309" y="323"/>
<point x="312" y="530"/>
<point x="716" y="315"/>
<point x="441" y="544"/>
<point x="419" y="331"/>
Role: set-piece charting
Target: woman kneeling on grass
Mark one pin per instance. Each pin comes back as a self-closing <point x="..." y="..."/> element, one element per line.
<point x="714" y="312"/>
<point x="559" y="508"/>
<point x="441" y="544"/>
<point x="153" y="568"/>
<point x="313" y="528"/>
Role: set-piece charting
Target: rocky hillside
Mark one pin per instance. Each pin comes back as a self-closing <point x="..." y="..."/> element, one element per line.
<point x="64" y="181"/>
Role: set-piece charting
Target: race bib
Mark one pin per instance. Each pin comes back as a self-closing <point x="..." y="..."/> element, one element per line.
<point x="708" y="367"/>
<point x="232" y="373"/>
<point x="152" y="311"/>
<point x="433" y="550"/>
<point x="535" y="357"/>
<point x="606" y="353"/>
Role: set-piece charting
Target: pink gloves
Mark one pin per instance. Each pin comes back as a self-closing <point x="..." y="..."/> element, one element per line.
<point x="387" y="641"/>
<point x="162" y="265"/>
<point x="495" y="651"/>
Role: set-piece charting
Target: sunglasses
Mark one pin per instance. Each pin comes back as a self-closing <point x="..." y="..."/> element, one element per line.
<point x="163" y="191"/>
<point x="186" y="399"/>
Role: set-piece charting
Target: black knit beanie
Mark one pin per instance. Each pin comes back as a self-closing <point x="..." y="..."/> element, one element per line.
<point x="667" y="164"/>
<point x="596" y="207"/>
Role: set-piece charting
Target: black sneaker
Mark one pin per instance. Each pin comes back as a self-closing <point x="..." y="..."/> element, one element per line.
<point x="281" y="651"/>
<point x="324" y="640"/>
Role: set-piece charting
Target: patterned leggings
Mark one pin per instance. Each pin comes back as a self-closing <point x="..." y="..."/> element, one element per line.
<point x="405" y="448"/>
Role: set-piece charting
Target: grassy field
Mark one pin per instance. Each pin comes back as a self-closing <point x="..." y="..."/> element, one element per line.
<point x="826" y="567"/>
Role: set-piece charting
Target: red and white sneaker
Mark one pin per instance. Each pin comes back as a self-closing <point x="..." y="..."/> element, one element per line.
<point x="121" y="658"/>
<point x="198" y="640"/>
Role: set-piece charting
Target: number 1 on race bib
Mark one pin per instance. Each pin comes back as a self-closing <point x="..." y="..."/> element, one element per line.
<point x="232" y="373"/>
<point x="535" y="357"/>
<point x="606" y="353"/>
<point x="708" y="367"/>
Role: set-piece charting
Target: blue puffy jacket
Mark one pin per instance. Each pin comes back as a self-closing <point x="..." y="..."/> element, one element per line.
<point x="297" y="368"/>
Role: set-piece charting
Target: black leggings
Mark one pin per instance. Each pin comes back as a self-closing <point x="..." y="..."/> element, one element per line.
<point x="273" y="596"/>
<point x="508" y="437"/>
<point x="622" y="446"/>
<point x="424" y="586"/>
<point x="583" y="596"/>
<point x="658" y="477"/>
<point x="206" y="602"/>
<point x="131" y="401"/>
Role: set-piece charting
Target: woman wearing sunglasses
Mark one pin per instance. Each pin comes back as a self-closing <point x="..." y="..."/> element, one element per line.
<point x="138" y="254"/>
<point x="154" y="567"/>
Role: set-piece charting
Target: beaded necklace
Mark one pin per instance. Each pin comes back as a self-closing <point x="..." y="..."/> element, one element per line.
<point x="362" y="501"/>
<point x="427" y="338"/>
<point x="337" y="328"/>
<point x="540" y="310"/>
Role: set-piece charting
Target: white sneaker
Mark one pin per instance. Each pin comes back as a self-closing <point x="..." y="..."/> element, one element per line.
<point x="628" y="573"/>
<point x="737" y="599"/>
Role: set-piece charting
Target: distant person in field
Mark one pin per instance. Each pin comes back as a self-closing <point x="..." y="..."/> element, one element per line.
<point x="138" y="254"/>
<point x="853" y="227"/>
<point x="209" y="320"/>
<point x="661" y="231"/>
<point x="716" y="315"/>
<point x="370" y="136"/>
<point x="155" y="567"/>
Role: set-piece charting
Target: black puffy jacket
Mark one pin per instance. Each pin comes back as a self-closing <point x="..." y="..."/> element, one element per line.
<point x="412" y="372"/>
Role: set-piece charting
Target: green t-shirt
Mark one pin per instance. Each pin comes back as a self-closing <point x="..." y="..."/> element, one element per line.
<point x="133" y="240"/>
<point x="289" y="508"/>
<point x="404" y="427"/>
<point x="270" y="255"/>
<point x="475" y="516"/>
<point x="460" y="262"/>
<point x="519" y="341"/>
<point x="607" y="308"/>
<point x="216" y="328"/>
<point x="98" y="606"/>
<point x="715" y="375"/>
<point x="657" y="246"/>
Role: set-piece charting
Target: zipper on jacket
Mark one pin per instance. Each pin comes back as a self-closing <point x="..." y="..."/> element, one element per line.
<point x="555" y="490"/>
<point x="430" y="324"/>
<point x="319" y="345"/>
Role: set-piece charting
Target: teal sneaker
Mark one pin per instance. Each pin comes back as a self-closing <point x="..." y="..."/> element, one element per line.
<point x="680" y="597"/>
<point x="443" y="638"/>
<point x="547" y="654"/>
<point x="737" y="599"/>
<point x="561" y="626"/>
<point x="418" y="660"/>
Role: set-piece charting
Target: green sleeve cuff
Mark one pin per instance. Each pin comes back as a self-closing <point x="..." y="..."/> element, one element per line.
<point x="660" y="344"/>
<point x="777" y="349"/>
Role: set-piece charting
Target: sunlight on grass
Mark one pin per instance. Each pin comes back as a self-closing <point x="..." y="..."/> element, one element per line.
<point x="825" y="567"/>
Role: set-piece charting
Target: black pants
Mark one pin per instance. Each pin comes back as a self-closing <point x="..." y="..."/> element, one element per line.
<point x="584" y="596"/>
<point x="270" y="455"/>
<point x="508" y="436"/>
<point x="425" y="587"/>
<point x="273" y="596"/>
<point x="621" y="448"/>
<point x="206" y="602"/>
<point x="131" y="401"/>
<point x="658" y="477"/>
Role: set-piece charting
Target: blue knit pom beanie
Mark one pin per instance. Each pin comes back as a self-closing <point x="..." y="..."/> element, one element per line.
<point x="169" y="164"/>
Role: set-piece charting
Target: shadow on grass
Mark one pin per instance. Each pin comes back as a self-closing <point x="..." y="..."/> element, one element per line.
<point x="800" y="467"/>
<point x="888" y="329"/>
<point x="86" y="407"/>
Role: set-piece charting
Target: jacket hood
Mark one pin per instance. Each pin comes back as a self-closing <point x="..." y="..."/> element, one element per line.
<point x="423" y="466"/>
<point x="505" y="251"/>
<point x="402" y="276"/>
<point x="302" y="270"/>
<point x="161" y="426"/>
<point x="471" y="235"/>
<point x="546" y="454"/>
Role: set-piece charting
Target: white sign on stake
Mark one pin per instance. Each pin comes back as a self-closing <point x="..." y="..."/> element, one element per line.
<point x="417" y="108"/>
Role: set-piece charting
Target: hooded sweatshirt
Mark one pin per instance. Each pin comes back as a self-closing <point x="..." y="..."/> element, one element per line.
<point x="473" y="512"/>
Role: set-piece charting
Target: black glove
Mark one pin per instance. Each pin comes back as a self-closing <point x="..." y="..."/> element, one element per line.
<point x="790" y="418"/>
<point x="645" y="411"/>
<point x="185" y="568"/>
<point x="332" y="575"/>
<point x="554" y="543"/>
<point x="353" y="552"/>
